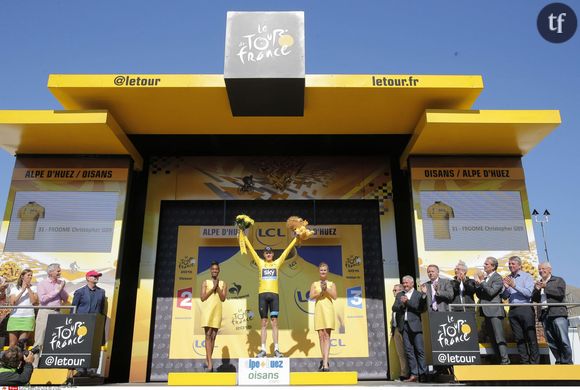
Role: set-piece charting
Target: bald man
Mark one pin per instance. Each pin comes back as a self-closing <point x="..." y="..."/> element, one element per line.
<point x="552" y="289"/>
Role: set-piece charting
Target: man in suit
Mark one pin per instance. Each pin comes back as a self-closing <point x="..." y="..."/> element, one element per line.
<point x="518" y="287"/>
<point x="463" y="288"/>
<point x="488" y="289"/>
<point x="439" y="291"/>
<point x="90" y="298"/>
<point x="552" y="289"/>
<point x="397" y="337"/>
<point x="408" y="306"/>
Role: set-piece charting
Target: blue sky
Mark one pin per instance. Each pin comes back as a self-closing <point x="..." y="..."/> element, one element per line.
<point x="497" y="39"/>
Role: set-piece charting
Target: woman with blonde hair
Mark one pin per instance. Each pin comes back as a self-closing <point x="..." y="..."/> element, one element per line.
<point x="324" y="293"/>
<point x="21" y="322"/>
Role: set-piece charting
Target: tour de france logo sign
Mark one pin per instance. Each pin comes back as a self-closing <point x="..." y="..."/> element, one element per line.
<point x="454" y="338"/>
<point x="70" y="343"/>
<point x="264" y="43"/>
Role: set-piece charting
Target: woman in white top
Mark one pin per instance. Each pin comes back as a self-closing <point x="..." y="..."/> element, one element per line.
<point x="21" y="321"/>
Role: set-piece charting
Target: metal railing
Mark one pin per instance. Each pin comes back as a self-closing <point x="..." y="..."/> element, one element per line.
<point x="72" y="308"/>
<point x="567" y="304"/>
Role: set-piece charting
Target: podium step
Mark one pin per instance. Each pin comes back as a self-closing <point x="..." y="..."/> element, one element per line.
<point x="515" y="372"/>
<point x="324" y="378"/>
<point x="202" y="379"/>
<point x="230" y="378"/>
<point x="49" y="376"/>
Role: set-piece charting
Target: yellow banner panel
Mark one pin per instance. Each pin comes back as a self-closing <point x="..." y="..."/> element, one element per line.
<point x="101" y="174"/>
<point x="467" y="173"/>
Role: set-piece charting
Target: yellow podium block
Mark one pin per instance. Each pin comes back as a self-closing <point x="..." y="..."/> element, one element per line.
<point x="515" y="372"/>
<point x="324" y="378"/>
<point x="202" y="379"/>
<point x="49" y="376"/>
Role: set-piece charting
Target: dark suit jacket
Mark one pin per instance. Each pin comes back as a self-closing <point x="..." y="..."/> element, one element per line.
<point x="556" y="293"/>
<point x="489" y="292"/>
<point x="468" y="292"/>
<point x="443" y="296"/>
<point x="82" y="300"/>
<point x="415" y="306"/>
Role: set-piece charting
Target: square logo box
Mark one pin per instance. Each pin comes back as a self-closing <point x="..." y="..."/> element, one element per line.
<point x="264" y="67"/>
<point x="264" y="45"/>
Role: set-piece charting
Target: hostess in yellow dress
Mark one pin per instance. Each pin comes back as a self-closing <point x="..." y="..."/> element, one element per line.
<point x="324" y="316"/>
<point x="211" y="308"/>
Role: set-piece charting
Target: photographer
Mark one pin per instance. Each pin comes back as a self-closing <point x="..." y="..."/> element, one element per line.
<point x="15" y="368"/>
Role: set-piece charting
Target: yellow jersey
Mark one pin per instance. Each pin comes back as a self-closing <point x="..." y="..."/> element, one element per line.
<point x="440" y="213"/>
<point x="29" y="215"/>
<point x="269" y="271"/>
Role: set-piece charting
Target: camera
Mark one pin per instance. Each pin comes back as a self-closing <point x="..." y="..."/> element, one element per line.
<point x="34" y="351"/>
<point x="25" y="350"/>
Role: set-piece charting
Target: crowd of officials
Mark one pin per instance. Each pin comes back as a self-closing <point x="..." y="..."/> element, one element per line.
<point x="23" y="323"/>
<point x="518" y="287"/>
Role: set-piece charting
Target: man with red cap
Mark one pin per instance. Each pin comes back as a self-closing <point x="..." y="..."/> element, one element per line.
<point x="90" y="298"/>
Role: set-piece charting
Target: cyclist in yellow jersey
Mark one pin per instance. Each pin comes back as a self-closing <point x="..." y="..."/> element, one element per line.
<point x="324" y="292"/>
<point x="268" y="298"/>
<point x="213" y="293"/>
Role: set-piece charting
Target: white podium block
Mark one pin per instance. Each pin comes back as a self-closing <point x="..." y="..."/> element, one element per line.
<point x="264" y="371"/>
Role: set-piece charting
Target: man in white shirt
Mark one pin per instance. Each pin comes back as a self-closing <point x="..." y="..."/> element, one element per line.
<point x="409" y="304"/>
<point x="552" y="289"/>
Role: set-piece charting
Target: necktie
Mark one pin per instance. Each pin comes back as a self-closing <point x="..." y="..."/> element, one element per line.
<point x="434" y="302"/>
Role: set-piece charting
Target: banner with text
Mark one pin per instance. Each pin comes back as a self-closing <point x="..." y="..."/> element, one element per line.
<point x="466" y="211"/>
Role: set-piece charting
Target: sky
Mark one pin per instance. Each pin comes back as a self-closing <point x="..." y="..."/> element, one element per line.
<point x="497" y="39"/>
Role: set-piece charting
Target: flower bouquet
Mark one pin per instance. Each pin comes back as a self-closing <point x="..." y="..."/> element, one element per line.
<point x="243" y="222"/>
<point x="298" y="225"/>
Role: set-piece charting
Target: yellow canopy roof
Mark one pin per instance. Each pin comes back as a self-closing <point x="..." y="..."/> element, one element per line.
<point x="198" y="104"/>
<point x="61" y="132"/>
<point x="480" y="132"/>
<point x="433" y="109"/>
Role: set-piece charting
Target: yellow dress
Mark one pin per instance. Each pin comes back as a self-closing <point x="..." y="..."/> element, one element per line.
<point x="324" y="316"/>
<point x="211" y="308"/>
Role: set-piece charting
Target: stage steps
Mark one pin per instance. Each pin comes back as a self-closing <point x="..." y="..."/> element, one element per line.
<point x="324" y="378"/>
<point x="49" y="376"/>
<point x="202" y="379"/>
<point x="516" y="372"/>
<point x="230" y="378"/>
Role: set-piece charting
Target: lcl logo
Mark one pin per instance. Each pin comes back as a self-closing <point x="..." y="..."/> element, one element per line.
<point x="271" y="236"/>
<point x="270" y="232"/>
<point x="301" y="299"/>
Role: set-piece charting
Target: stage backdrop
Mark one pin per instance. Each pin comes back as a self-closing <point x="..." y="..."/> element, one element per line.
<point x="190" y="238"/>
<point x="68" y="211"/>
<point x="345" y="180"/>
